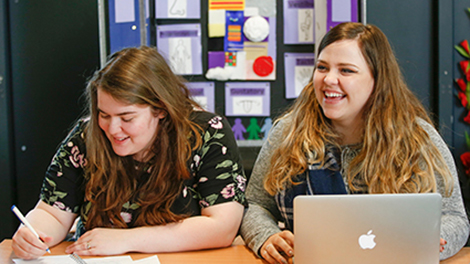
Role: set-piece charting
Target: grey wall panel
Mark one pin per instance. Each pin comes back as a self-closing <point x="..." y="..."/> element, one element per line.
<point x="409" y="26"/>
<point x="6" y="137"/>
<point x="54" y="49"/>
<point x="423" y="34"/>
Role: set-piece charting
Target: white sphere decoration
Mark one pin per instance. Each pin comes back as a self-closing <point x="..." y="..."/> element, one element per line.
<point x="256" y="28"/>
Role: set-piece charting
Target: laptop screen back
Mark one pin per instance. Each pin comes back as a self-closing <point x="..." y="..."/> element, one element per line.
<point x="373" y="228"/>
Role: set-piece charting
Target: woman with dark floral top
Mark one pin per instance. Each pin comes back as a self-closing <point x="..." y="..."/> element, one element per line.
<point x="145" y="171"/>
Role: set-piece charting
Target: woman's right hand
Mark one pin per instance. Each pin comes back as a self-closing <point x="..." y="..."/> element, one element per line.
<point x="278" y="248"/>
<point x="28" y="246"/>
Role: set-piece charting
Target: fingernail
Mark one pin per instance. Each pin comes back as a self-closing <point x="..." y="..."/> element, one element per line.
<point x="291" y="253"/>
<point x="284" y="262"/>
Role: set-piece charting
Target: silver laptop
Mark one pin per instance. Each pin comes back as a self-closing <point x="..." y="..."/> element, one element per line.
<point x="373" y="228"/>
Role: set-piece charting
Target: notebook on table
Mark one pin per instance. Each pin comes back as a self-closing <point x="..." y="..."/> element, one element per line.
<point x="374" y="228"/>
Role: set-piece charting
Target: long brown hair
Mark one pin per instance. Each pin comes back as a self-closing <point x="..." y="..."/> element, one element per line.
<point x="139" y="76"/>
<point x="396" y="156"/>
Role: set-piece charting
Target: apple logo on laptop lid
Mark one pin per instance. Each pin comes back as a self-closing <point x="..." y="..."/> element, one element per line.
<point x="366" y="241"/>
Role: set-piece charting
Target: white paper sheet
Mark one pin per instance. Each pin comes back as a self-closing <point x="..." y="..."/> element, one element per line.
<point x="66" y="259"/>
<point x="149" y="260"/>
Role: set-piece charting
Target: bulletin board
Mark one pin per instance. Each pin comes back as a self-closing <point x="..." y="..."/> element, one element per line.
<point x="246" y="60"/>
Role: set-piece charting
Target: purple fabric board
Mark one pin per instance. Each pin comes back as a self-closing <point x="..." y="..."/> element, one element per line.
<point x="193" y="31"/>
<point x="193" y="9"/>
<point x="291" y="33"/>
<point x="216" y="59"/>
<point x="247" y="89"/>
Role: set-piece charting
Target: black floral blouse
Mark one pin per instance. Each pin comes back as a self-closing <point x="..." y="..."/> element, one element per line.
<point x="217" y="174"/>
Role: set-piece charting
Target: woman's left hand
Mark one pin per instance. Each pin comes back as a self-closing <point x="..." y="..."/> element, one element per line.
<point x="442" y="242"/>
<point x="100" y="241"/>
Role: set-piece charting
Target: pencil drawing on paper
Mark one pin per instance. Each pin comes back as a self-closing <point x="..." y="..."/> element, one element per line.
<point x="177" y="8"/>
<point x="180" y="55"/>
<point x="248" y="105"/>
<point x="305" y="25"/>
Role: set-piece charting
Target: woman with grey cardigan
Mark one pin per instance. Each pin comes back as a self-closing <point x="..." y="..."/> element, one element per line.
<point x="355" y="128"/>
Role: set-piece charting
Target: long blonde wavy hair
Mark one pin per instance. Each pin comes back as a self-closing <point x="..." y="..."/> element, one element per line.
<point x="139" y="76"/>
<point x="396" y="156"/>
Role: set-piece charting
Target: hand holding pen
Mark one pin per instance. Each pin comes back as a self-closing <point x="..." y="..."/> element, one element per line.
<point x="25" y="222"/>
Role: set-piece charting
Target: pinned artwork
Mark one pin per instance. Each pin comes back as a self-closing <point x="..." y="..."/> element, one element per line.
<point x="299" y="20"/>
<point x="216" y="18"/>
<point x="226" y="4"/>
<point x="238" y="129"/>
<point x="231" y="59"/>
<point x="181" y="55"/>
<point x="217" y="59"/>
<point x="203" y="94"/>
<point x="178" y="9"/>
<point x="248" y="32"/>
<point x="263" y="66"/>
<point x="298" y="70"/>
<point x="247" y="99"/>
<point x="234" y="27"/>
<point x="216" y="23"/>
<point x="253" y="129"/>
<point x="268" y="123"/>
<point x="256" y="28"/>
<point x="305" y="26"/>
<point x="181" y="44"/>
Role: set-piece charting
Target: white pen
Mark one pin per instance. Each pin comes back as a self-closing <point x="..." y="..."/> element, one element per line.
<point x="25" y="222"/>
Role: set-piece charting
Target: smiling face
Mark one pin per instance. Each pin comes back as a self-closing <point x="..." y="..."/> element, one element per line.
<point x="130" y="128"/>
<point x="343" y="83"/>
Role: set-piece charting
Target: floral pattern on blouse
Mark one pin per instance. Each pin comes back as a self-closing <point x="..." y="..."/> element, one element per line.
<point x="227" y="169"/>
<point x="217" y="174"/>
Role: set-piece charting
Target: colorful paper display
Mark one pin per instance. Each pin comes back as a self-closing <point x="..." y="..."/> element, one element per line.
<point x="227" y="4"/>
